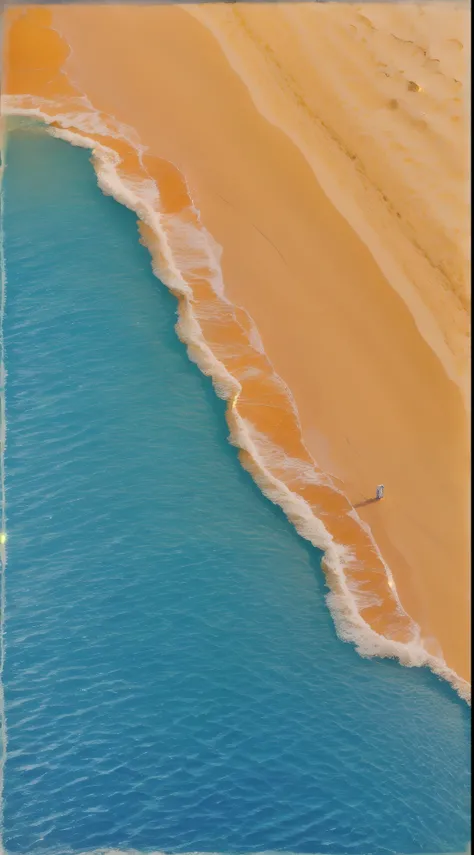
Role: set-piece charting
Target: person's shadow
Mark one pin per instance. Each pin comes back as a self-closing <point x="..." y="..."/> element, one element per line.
<point x="366" y="502"/>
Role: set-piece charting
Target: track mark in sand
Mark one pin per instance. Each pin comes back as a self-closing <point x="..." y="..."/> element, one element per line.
<point x="455" y="43"/>
<point x="270" y="242"/>
<point x="254" y="226"/>
<point x="365" y="21"/>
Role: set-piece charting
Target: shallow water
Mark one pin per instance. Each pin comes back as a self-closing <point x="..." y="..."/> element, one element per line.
<point x="173" y="679"/>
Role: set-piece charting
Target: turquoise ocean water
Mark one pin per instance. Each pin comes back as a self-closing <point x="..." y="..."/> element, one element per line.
<point x="173" y="679"/>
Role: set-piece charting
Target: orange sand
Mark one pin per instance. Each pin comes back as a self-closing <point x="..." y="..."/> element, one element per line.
<point x="325" y="147"/>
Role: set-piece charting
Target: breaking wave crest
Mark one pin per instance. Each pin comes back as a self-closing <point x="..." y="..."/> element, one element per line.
<point x="222" y="340"/>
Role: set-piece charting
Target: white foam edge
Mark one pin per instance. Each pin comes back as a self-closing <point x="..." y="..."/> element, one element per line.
<point x="342" y="603"/>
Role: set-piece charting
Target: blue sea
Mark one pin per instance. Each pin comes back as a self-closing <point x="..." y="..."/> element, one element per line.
<point x="173" y="680"/>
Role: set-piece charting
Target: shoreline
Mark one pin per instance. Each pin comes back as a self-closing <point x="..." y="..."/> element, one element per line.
<point x="231" y="329"/>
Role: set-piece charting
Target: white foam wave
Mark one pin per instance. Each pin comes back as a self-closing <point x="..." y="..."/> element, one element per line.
<point x="182" y="251"/>
<point x="195" y="249"/>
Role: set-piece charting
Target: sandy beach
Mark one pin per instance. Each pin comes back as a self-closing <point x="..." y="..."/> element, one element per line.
<point x="324" y="148"/>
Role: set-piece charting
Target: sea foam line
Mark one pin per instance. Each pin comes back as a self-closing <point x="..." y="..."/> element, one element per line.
<point x="141" y="196"/>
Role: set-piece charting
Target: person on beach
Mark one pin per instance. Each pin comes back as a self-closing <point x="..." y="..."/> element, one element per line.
<point x="379" y="492"/>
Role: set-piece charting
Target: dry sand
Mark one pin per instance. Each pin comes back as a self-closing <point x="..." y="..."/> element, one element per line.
<point x="326" y="148"/>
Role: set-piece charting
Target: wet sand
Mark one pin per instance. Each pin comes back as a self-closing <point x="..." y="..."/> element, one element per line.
<point x="325" y="147"/>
